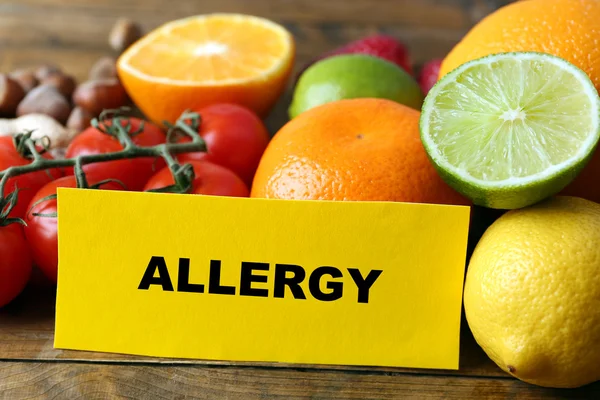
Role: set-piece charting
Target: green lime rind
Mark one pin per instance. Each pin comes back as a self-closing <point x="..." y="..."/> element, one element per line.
<point x="519" y="192"/>
<point x="354" y="76"/>
<point x="512" y="197"/>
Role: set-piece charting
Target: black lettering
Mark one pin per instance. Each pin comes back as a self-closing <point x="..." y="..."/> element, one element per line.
<point x="315" y="287"/>
<point x="183" y="279"/>
<point x="293" y="282"/>
<point x="163" y="279"/>
<point x="214" y="281"/>
<point x="247" y="278"/>
<point x="364" y="284"/>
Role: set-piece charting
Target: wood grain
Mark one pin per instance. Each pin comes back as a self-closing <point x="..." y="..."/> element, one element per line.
<point x="100" y="381"/>
<point x="27" y="334"/>
<point x="73" y="34"/>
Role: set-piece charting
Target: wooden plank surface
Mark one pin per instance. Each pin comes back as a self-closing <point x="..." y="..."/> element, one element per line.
<point x="20" y="381"/>
<point x="30" y="368"/>
<point x="27" y="334"/>
<point x="73" y="34"/>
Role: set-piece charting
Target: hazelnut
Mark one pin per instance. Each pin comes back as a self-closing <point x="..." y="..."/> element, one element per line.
<point x="104" y="68"/>
<point x="45" y="99"/>
<point x="11" y="94"/>
<point x="44" y="71"/>
<point x="79" y="119"/>
<point x="26" y="79"/>
<point x="98" y="95"/>
<point x="123" y="34"/>
<point x="65" y="84"/>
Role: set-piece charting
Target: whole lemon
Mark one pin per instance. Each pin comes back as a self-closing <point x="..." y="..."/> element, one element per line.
<point x="532" y="293"/>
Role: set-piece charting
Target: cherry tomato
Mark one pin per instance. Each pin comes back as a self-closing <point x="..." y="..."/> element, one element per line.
<point x="15" y="263"/>
<point x="28" y="184"/>
<point x="211" y="179"/>
<point x="41" y="231"/>
<point x="135" y="172"/>
<point x="235" y="138"/>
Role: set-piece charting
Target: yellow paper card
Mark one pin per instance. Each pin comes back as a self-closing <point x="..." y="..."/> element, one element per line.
<point x="355" y="283"/>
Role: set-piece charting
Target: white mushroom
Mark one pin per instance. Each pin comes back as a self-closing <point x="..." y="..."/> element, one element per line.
<point x="41" y="125"/>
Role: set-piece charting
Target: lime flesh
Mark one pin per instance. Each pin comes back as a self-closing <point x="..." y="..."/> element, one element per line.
<point x="511" y="129"/>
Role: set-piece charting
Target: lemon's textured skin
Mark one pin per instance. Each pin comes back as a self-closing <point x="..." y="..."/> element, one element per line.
<point x="532" y="293"/>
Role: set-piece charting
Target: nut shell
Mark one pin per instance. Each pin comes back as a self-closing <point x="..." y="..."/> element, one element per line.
<point x="26" y="79"/>
<point x="79" y="119"/>
<point x="96" y="96"/>
<point x="65" y="84"/>
<point x="43" y="71"/>
<point x="124" y="33"/>
<point x="45" y="99"/>
<point x="11" y="94"/>
<point x="104" y="68"/>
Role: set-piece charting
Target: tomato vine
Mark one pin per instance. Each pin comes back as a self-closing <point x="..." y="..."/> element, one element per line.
<point x="121" y="130"/>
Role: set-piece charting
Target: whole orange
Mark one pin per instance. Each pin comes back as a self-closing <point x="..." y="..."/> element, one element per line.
<point x="569" y="29"/>
<point x="565" y="28"/>
<point x="360" y="149"/>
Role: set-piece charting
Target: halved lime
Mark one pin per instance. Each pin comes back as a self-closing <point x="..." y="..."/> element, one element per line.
<point x="511" y="129"/>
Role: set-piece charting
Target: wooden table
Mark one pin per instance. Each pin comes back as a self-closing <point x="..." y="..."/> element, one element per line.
<point x="72" y="33"/>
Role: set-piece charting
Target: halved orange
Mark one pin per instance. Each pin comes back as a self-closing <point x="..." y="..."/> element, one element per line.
<point x="207" y="59"/>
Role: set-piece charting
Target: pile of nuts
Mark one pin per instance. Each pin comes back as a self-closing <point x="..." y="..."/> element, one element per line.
<point x="49" y="91"/>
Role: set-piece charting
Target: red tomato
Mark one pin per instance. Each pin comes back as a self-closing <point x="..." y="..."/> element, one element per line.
<point x="211" y="179"/>
<point x="15" y="263"/>
<point x="41" y="231"/>
<point x="235" y="138"/>
<point x="135" y="172"/>
<point x="29" y="183"/>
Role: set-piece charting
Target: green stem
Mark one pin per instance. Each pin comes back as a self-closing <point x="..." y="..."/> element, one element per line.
<point x="31" y="146"/>
<point x="183" y="175"/>
<point x="169" y="159"/>
<point x="130" y="150"/>
<point x="80" y="177"/>
<point x="122" y="134"/>
<point x="134" y="152"/>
